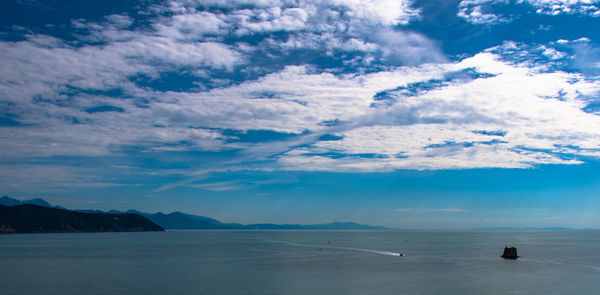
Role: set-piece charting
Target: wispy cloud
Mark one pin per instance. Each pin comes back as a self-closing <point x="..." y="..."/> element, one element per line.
<point x="222" y="186"/>
<point x="388" y="99"/>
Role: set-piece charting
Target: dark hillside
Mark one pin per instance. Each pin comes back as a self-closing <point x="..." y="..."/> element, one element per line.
<point x="29" y="218"/>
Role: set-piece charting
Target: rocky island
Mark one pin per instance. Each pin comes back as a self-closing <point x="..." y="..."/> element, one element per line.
<point x="510" y="253"/>
<point x="30" y="218"/>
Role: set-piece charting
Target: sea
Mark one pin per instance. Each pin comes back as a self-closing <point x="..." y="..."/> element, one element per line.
<point x="300" y="262"/>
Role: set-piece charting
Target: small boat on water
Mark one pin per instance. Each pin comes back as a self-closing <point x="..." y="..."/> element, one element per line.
<point x="510" y="253"/>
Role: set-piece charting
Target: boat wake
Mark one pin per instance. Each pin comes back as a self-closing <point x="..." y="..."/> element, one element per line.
<point x="387" y="253"/>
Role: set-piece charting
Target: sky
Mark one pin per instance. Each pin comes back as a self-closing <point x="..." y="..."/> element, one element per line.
<point x="416" y="114"/>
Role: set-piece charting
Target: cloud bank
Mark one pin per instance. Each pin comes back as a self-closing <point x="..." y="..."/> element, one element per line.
<point x="294" y="85"/>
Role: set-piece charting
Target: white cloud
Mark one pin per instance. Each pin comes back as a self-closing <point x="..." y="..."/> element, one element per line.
<point x="539" y="114"/>
<point x="320" y="25"/>
<point x="482" y="11"/>
<point x="478" y="12"/>
<point x="555" y="7"/>
<point x="386" y="12"/>
<point x="518" y="100"/>
<point x="45" y="66"/>
<point x="552" y="53"/>
<point x="191" y="26"/>
<point x="196" y="54"/>
<point x="415" y="48"/>
<point x="273" y="19"/>
<point x="120" y="21"/>
<point x="517" y="114"/>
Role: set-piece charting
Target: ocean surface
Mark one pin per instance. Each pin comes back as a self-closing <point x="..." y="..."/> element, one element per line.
<point x="300" y="262"/>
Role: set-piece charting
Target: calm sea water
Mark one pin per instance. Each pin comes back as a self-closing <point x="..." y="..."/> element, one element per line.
<point x="300" y="262"/>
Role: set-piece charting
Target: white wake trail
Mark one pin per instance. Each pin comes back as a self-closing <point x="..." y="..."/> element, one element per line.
<point x="387" y="253"/>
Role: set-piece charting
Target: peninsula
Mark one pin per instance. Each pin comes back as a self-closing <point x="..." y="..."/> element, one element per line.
<point x="30" y="218"/>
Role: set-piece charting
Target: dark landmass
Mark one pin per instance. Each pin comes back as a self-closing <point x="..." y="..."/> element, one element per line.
<point x="30" y="218"/>
<point x="178" y="220"/>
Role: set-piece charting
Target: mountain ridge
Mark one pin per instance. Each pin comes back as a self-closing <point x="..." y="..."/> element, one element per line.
<point x="184" y="221"/>
<point x="6" y="201"/>
<point x="32" y="218"/>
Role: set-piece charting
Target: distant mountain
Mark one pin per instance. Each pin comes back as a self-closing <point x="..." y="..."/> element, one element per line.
<point x="178" y="220"/>
<point x="6" y="201"/>
<point x="30" y="218"/>
<point x="525" y="228"/>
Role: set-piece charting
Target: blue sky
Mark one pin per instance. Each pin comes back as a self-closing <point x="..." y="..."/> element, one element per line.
<point x="409" y="114"/>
